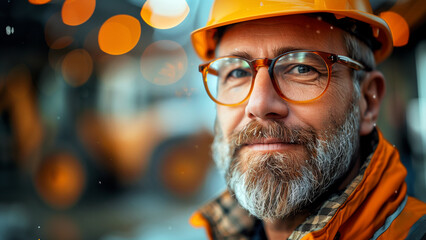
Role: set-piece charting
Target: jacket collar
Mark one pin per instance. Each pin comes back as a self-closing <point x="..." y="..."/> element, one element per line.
<point x="228" y="220"/>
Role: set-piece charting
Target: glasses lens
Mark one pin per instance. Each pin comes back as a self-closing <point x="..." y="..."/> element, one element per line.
<point x="229" y="79"/>
<point x="301" y="76"/>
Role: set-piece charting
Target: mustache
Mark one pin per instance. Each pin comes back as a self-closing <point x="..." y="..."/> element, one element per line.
<point x="255" y="132"/>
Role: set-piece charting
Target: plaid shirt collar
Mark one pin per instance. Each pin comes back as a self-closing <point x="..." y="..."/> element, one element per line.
<point x="229" y="221"/>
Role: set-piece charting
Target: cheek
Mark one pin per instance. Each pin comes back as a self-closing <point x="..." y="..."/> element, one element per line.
<point x="315" y="116"/>
<point x="326" y="111"/>
<point x="229" y="119"/>
<point x="340" y="97"/>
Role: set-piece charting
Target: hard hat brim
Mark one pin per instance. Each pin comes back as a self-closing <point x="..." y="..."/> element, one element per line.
<point x="204" y="43"/>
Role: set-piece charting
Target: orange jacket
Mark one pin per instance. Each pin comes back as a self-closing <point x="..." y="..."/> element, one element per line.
<point x="378" y="208"/>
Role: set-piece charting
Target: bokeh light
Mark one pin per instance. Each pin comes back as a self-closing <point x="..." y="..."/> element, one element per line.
<point x="63" y="227"/>
<point x="57" y="34"/>
<point x="121" y="145"/>
<point x="60" y="180"/>
<point x="119" y="34"/>
<point x="76" y="12"/>
<point x="38" y="2"/>
<point x="185" y="163"/>
<point x="77" y="66"/>
<point x="181" y="174"/>
<point x="18" y="81"/>
<point x="164" y="62"/>
<point x="62" y="42"/>
<point x="121" y="92"/>
<point x="164" y="14"/>
<point x="24" y="117"/>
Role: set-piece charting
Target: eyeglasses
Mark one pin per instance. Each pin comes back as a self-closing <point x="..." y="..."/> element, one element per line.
<point x="297" y="76"/>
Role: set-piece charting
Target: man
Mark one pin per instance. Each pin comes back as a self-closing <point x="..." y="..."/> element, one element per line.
<point x="298" y="98"/>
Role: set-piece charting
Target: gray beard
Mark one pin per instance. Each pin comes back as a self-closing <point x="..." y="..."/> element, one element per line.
<point x="278" y="185"/>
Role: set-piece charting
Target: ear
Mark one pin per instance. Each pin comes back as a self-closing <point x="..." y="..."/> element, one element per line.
<point x="372" y="92"/>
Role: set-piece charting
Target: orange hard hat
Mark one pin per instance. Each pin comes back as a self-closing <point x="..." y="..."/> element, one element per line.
<point x="226" y="12"/>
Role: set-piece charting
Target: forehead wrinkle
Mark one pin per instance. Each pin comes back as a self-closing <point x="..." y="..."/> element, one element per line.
<point x="241" y="54"/>
<point x="276" y="52"/>
<point x="306" y="27"/>
<point x="281" y="50"/>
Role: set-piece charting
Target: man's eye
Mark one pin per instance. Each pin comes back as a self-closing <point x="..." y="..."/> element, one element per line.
<point x="302" y="69"/>
<point x="238" y="73"/>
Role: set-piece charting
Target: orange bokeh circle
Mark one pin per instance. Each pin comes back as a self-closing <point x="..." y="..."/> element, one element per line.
<point x="119" y="34"/>
<point x="60" y="180"/>
<point x="77" y="66"/>
<point x="164" y="14"/>
<point x="76" y="12"/>
<point x="164" y="62"/>
<point x="38" y="2"/>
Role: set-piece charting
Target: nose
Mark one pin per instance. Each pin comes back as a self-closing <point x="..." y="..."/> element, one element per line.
<point x="264" y="102"/>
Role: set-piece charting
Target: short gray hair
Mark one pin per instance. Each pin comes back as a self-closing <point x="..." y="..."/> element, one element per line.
<point x="360" y="52"/>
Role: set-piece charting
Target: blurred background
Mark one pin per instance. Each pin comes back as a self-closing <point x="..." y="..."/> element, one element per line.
<point x="105" y="128"/>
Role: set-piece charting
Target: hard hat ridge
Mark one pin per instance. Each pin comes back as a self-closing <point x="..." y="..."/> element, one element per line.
<point x="354" y="16"/>
<point x="361" y="30"/>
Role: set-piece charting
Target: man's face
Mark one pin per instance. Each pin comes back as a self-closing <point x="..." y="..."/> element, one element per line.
<point x="279" y="156"/>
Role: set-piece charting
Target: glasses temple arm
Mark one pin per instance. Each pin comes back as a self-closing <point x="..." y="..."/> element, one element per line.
<point x="351" y="63"/>
<point x="211" y="71"/>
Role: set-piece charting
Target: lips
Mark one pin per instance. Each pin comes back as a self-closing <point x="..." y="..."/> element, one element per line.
<point x="270" y="141"/>
<point x="274" y="136"/>
<point x="270" y="144"/>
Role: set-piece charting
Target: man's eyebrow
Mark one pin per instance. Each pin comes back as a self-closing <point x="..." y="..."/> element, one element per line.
<point x="241" y="54"/>
<point x="276" y="51"/>
<point x="280" y="50"/>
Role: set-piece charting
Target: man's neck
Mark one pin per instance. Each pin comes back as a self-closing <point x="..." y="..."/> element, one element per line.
<point x="283" y="228"/>
<point x="279" y="229"/>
